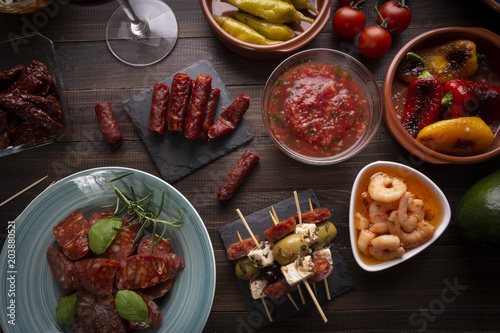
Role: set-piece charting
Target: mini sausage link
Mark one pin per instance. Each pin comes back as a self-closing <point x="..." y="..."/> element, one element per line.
<point x="197" y="105"/>
<point x="229" y="119"/>
<point x="157" y="116"/>
<point x="213" y="101"/>
<point x="107" y="124"/>
<point x="178" y="101"/>
<point x="236" y="177"/>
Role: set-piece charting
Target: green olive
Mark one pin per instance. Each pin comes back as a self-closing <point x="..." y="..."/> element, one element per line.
<point x="326" y="233"/>
<point x="287" y="249"/>
<point x="244" y="269"/>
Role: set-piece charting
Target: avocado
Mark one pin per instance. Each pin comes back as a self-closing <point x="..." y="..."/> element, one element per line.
<point x="478" y="214"/>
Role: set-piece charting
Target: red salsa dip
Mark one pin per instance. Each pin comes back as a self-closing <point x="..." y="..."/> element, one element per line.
<point x="317" y="109"/>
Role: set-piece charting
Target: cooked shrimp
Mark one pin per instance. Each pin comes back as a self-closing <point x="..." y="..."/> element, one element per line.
<point x="410" y="212"/>
<point x="386" y="188"/>
<point x="386" y="247"/>
<point x="380" y="228"/>
<point x="421" y="234"/>
<point x="361" y="222"/>
<point x="364" y="239"/>
<point x="379" y="211"/>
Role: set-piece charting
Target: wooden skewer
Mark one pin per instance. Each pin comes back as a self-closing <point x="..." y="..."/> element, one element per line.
<point x="298" y="207"/>
<point x="305" y="281"/>
<point x="255" y="240"/>
<point x="247" y="226"/>
<point x="22" y="191"/>
<point x="315" y="301"/>
<point x="276" y="221"/>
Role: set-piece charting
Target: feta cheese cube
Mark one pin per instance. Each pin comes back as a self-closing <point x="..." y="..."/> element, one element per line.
<point x="256" y="287"/>
<point x="324" y="253"/>
<point x="308" y="230"/>
<point x="262" y="255"/>
<point x="300" y="269"/>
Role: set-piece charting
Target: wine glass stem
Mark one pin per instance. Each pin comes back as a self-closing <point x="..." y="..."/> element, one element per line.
<point x="137" y="26"/>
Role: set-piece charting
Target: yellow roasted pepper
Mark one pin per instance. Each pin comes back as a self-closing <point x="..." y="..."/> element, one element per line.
<point x="452" y="60"/>
<point x="242" y="31"/>
<point x="274" y="11"/>
<point x="459" y="136"/>
<point x="274" y="31"/>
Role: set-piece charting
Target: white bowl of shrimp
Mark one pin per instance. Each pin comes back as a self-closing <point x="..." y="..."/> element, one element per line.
<point x="395" y="213"/>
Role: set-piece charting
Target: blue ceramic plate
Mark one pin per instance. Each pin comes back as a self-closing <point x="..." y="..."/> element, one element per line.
<point x="28" y="291"/>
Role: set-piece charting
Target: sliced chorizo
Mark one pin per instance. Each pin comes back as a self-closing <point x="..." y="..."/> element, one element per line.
<point x="141" y="271"/>
<point x="99" y="216"/>
<point x="158" y="290"/>
<point x="61" y="267"/>
<point x="241" y="249"/>
<point x="160" y="250"/>
<point x="315" y="216"/>
<point x="175" y="264"/>
<point x="123" y="244"/>
<point x="280" y="230"/>
<point x="96" y="275"/>
<point x="155" y="317"/>
<point x="277" y="290"/>
<point x="72" y="235"/>
<point x="322" y="269"/>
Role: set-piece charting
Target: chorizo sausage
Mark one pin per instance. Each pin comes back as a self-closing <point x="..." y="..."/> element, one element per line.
<point x="160" y="250"/>
<point x="277" y="290"/>
<point x="236" y="177"/>
<point x="83" y="320"/>
<point x="141" y="271"/>
<point x="96" y="275"/>
<point x="178" y="101"/>
<point x="175" y="264"/>
<point x="99" y="216"/>
<point x="158" y="290"/>
<point x="230" y="117"/>
<point x="241" y="249"/>
<point x="158" y="113"/>
<point x="315" y="216"/>
<point x="212" y="102"/>
<point x="280" y="230"/>
<point x="322" y="269"/>
<point x="155" y="317"/>
<point x="105" y="318"/>
<point x="61" y="268"/>
<point x="197" y="106"/>
<point x="107" y="124"/>
<point x="123" y="244"/>
<point x="72" y="235"/>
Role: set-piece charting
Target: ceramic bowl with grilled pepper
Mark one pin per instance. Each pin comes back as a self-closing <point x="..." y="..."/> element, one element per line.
<point x="442" y="96"/>
<point x="266" y="29"/>
<point x="31" y="110"/>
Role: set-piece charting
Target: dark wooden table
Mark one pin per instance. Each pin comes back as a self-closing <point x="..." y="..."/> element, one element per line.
<point x="447" y="288"/>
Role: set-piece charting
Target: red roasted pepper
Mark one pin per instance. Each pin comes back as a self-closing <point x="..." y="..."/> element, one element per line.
<point x="422" y="101"/>
<point x="463" y="98"/>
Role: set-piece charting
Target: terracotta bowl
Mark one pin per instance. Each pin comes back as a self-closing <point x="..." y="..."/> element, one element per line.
<point x="305" y="32"/>
<point x="487" y="42"/>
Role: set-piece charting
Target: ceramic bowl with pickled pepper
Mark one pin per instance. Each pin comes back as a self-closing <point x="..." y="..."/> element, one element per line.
<point x="442" y="96"/>
<point x="266" y="29"/>
<point x="31" y="106"/>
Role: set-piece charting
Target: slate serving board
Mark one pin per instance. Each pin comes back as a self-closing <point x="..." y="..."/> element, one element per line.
<point x="339" y="282"/>
<point x="175" y="155"/>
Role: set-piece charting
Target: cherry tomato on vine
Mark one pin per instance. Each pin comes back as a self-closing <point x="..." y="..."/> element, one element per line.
<point x="374" y="42"/>
<point x="397" y="16"/>
<point x="349" y="21"/>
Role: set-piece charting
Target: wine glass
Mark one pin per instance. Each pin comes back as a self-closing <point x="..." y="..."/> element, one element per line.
<point x="141" y="32"/>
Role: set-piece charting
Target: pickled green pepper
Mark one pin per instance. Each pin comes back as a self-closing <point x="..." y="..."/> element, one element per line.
<point x="304" y="5"/>
<point x="274" y="11"/>
<point x="242" y="31"/>
<point x="274" y="31"/>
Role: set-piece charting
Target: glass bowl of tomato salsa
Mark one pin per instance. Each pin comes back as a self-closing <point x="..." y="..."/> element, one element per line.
<point x="321" y="106"/>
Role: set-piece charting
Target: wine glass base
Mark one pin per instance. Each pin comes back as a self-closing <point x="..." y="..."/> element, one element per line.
<point x="150" y="47"/>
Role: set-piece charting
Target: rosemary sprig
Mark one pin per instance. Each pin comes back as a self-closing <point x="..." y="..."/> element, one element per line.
<point x="139" y="211"/>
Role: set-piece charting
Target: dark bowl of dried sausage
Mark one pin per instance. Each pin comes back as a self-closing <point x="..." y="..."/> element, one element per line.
<point x="261" y="29"/>
<point x="321" y="106"/>
<point x="31" y="110"/>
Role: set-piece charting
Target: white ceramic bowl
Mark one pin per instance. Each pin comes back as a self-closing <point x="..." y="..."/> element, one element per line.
<point x="411" y="175"/>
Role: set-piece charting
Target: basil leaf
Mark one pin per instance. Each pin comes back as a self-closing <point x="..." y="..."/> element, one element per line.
<point x="67" y="308"/>
<point x="102" y="233"/>
<point x="131" y="306"/>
